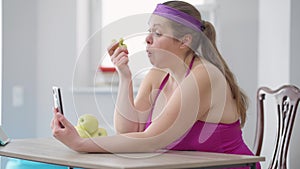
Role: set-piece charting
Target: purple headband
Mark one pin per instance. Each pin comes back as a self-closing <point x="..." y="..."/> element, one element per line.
<point x="178" y="16"/>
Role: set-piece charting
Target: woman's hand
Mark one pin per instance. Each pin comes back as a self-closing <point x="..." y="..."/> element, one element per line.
<point x="64" y="131"/>
<point x="119" y="57"/>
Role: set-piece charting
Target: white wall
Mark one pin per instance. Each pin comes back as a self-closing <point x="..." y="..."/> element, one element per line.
<point x="1" y="61"/>
<point x="295" y="77"/>
<point x="238" y="21"/>
<point x="56" y="56"/>
<point x="295" y="43"/>
<point x="19" y="67"/>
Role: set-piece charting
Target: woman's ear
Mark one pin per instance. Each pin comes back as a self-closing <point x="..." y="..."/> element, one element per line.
<point x="186" y="41"/>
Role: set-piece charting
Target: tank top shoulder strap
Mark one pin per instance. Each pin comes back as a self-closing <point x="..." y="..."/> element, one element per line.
<point x="162" y="85"/>
<point x="164" y="82"/>
<point x="190" y="66"/>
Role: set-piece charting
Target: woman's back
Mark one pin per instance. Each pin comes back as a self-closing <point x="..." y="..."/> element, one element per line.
<point x="216" y="103"/>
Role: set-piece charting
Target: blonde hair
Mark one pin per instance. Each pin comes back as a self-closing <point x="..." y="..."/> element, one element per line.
<point x="209" y="31"/>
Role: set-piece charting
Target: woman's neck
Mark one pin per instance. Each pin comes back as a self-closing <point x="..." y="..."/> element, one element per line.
<point x="179" y="70"/>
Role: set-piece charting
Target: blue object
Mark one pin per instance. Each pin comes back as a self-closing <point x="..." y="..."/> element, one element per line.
<point x="14" y="163"/>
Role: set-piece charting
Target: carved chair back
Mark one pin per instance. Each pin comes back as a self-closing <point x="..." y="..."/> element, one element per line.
<point x="287" y="99"/>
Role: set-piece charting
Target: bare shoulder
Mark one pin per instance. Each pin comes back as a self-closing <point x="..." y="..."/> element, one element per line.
<point x="154" y="77"/>
<point x="156" y="73"/>
<point x="151" y="81"/>
<point x="210" y="80"/>
<point x="213" y="89"/>
<point x="207" y="73"/>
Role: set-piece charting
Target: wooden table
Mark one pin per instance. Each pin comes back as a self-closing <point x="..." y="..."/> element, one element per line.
<point x="49" y="150"/>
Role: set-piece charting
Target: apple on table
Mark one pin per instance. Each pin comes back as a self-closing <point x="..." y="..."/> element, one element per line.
<point x="88" y="126"/>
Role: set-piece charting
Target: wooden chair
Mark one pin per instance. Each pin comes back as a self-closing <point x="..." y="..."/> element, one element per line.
<point x="287" y="99"/>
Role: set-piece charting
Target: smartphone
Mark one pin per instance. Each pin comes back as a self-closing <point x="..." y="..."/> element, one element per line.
<point x="57" y="97"/>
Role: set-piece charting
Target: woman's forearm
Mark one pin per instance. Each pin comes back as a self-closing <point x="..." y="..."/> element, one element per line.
<point x="130" y="142"/>
<point x="125" y="115"/>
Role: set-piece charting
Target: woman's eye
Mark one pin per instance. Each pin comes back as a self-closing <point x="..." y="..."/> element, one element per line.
<point x="157" y="33"/>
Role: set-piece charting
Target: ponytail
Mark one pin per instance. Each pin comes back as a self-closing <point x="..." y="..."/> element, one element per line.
<point x="239" y="96"/>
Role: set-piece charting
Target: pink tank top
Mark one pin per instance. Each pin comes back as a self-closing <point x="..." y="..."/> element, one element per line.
<point x="210" y="137"/>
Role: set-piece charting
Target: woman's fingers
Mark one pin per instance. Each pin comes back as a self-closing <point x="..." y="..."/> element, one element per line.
<point x="55" y="110"/>
<point x="56" y="122"/>
<point x="111" y="49"/>
<point x="123" y="61"/>
<point x="61" y="118"/>
<point x="116" y="59"/>
<point x="119" y="57"/>
<point x="119" y="53"/>
<point x="57" y="129"/>
<point x="115" y="44"/>
<point x="52" y="123"/>
<point x="119" y="50"/>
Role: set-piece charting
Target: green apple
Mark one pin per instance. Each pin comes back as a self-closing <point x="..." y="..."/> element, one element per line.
<point x="82" y="133"/>
<point x="88" y="123"/>
<point x="100" y="132"/>
<point x="121" y="43"/>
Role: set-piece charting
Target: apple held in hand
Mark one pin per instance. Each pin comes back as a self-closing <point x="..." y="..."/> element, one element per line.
<point x="88" y="123"/>
<point x="121" y="43"/>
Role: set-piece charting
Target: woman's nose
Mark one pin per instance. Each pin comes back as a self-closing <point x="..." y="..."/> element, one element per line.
<point x="149" y="39"/>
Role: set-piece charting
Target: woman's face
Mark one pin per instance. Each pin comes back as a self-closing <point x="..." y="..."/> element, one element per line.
<point x="162" y="47"/>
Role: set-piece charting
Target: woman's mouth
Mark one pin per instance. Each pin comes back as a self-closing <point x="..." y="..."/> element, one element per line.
<point x="149" y="53"/>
